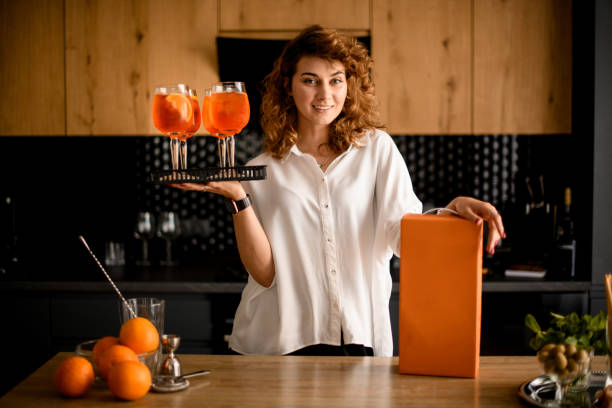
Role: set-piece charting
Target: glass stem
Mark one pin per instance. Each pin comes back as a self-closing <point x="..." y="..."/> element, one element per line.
<point x="174" y="153"/>
<point x="183" y="151"/>
<point x="222" y="152"/>
<point x="145" y="251"/>
<point x="168" y="252"/>
<point x="230" y="152"/>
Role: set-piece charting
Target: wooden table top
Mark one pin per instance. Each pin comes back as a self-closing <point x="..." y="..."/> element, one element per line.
<point x="295" y="381"/>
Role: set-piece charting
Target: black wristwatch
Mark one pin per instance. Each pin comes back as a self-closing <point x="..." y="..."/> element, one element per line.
<point x="234" y="207"/>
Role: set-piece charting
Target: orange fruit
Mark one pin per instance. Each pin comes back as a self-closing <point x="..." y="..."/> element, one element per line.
<point x="113" y="355"/>
<point x="139" y="334"/>
<point x="182" y="104"/>
<point x="101" y="346"/>
<point x="74" y="376"/>
<point x="129" y="380"/>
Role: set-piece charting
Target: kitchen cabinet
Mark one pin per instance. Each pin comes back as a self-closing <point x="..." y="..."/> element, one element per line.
<point x="479" y="66"/>
<point x="268" y="18"/>
<point x="441" y="66"/>
<point x="117" y="51"/>
<point x="25" y="335"/>
<point x="423" y="65"/>
<point x="522" y="66"/>
<point x="77" y="317"/>
<point x="32" y="68"/>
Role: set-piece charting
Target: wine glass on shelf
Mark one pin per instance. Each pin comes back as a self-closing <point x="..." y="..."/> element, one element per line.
<point x="145" y="230"/>
<point x="229" y="112"/>
<point x="195" y="125"/>
<point x="207" y="123"/>
<point x="168" y="228"/>
<point x="173" y="115"/>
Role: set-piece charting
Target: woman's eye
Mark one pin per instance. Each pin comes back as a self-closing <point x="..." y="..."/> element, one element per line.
<point x="309" y="81"/>
<point x="336" y="81"/>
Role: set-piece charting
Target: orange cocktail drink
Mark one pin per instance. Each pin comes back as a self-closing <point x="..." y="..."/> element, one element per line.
<point x="229" y="112"/>
<point x="173" y="113"/>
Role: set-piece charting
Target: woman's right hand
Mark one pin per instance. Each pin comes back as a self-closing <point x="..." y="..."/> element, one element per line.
<point x="228" y="189"/>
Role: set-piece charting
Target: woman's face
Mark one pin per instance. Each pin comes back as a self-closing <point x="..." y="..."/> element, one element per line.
<point x="319" y="90"/>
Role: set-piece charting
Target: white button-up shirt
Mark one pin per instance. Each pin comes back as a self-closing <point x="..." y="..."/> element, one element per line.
<point x="332" y="235"/>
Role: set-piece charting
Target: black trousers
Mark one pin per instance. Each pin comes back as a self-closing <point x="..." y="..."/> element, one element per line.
<point x="356" y="350"/>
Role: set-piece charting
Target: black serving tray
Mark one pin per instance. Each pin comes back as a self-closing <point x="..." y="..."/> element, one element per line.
<point x="208" y="174"/>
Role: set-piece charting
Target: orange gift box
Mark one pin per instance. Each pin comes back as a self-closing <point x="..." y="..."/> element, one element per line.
<point x="440" y="296"/>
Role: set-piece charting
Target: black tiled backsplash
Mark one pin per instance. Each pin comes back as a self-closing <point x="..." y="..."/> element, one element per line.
<point x="441" y="168"/>
<point x="66" y="186"/>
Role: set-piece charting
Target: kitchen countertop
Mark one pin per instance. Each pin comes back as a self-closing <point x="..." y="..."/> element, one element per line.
<point x="210" y="278"/>
<point x="291" y="381"/>
<point x="211" y="287"/>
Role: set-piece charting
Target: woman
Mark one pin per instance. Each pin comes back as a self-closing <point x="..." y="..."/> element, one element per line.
<point x="323" y="226"/>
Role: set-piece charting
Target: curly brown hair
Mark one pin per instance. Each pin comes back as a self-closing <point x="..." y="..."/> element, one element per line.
<point x="360" y="110"/>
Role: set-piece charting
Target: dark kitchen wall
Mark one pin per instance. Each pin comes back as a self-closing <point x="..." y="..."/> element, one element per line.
<point x="602" y="181"/>
<point x="65" y="186"/>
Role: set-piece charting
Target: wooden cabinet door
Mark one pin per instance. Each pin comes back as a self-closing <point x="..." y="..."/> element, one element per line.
<point x="522" y="66"/>
<point x="32" y="68"/>
<point x="118" y="50"/>
<point x="292" y="15"/>
<point x="422" y="64"/>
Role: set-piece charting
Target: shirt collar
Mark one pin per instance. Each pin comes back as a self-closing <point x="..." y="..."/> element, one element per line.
<point x="296" y="151"/>
<point x="293" y="150"/>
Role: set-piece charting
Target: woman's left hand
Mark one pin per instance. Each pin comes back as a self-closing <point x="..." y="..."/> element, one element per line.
<point x="476" y="211"/>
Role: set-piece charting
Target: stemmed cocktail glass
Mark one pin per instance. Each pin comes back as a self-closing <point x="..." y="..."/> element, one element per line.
<point x="168" y="228"/>
<point x="173" y="115"/>
<point x="145" y="230"/>
<point x="229" y="112"/>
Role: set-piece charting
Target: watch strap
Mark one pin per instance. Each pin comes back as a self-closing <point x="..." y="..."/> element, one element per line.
<point x="234" y="207"/>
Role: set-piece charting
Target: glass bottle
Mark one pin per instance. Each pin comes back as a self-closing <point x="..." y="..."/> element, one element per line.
<point x="565" y="241"/>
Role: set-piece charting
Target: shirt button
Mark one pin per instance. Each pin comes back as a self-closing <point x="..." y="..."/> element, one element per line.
<point x="333" y="271"/>
<point x="329" y="240"/>
<point x="326" y="205"/>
